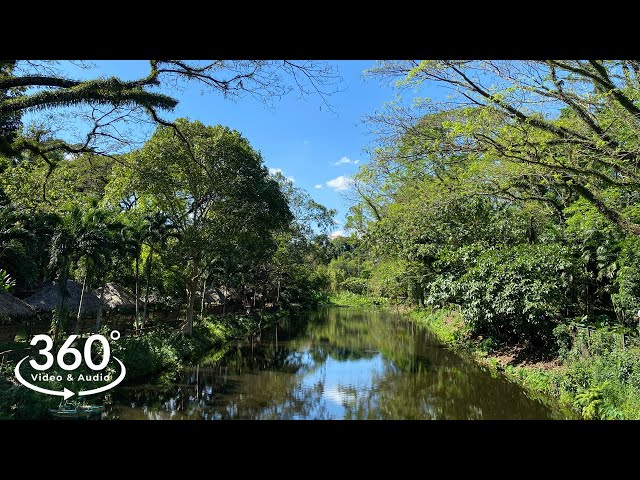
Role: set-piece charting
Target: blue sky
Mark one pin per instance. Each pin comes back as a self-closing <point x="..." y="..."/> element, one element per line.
<point x="317" y="147"/>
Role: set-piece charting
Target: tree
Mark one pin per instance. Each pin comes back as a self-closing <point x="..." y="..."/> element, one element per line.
<point x="61" y="256"/>
<point x="134" y="237"/>
<point x="107" y="103"/>
<point x="214" y="191"/>
<point x="293" y="271"/>
<point x="156" y="235"/>
<point x="15" y="240"/>
<point x="95" y="240"/>
<point x="576" y="123"/>
<point x="10" y="121"/>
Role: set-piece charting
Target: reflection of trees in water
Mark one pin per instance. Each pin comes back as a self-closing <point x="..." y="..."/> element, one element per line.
<point x="420" y="379"/>
<point x="446" y="392"/>
<point x="264" y="379"/>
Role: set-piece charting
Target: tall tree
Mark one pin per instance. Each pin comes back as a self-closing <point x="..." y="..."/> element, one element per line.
<point x="96" y="240"/>
<point x="573" y="124"/>
<point x="157" y="233"/>
<point x="62" y="252"/>
<point x="214" y="190"/>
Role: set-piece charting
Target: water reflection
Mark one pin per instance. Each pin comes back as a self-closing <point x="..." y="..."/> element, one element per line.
<point x="332" y="364"/>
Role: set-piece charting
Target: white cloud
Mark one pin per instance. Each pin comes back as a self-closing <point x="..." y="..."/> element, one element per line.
<point x="275" y="171"/>
<point x="337" y="233"/>
<point x="338" y="395"/>
<point x="346" y="161"/>
<point x="339" y="183"/>
<point x="318" y="186"/>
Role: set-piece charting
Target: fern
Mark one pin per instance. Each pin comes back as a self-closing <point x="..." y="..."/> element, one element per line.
<point x="594" y="405"/>
<point x="6" y="281"/>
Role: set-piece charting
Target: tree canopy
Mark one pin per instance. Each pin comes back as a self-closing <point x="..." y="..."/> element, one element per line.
<point x="214" y="191"/>
<point x="102" y="108"/>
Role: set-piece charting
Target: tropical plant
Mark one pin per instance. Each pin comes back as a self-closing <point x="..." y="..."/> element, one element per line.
<point x="6" y="281"/>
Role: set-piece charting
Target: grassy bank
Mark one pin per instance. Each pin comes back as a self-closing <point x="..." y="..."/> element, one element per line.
<point x="157" y="355"/>
<point x="349" y="299"/>
<point x="163" y="351"/>
<point x="592" y="374"/>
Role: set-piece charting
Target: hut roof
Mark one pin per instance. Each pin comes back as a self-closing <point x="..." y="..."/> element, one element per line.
<point x="218" y="295"/>
<point x="214" y="295"/>
<point x="49" y="298"/>
<point x="115" y="296"/>
<point x="11" y="306"/>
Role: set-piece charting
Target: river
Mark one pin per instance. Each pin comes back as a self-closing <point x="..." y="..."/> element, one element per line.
<point x="334" y="363"/>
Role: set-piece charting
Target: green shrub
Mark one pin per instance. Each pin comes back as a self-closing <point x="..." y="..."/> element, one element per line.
<point x="350" y="299"/>
<point x="447" y="325"/>
<point x="594" y="404"/>
<point x="517" y="293"/>
<point x="146" y="355"/>
<point x="601" y="376"/>
<point x="20" y="403"/>
<point x="163" y="350"/>
<point x="487" y="345"/>
<point x="563" y="340"/>
<point x="355" y="285"/>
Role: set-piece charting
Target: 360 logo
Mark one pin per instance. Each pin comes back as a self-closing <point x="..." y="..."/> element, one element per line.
<point x="64" y="352"/>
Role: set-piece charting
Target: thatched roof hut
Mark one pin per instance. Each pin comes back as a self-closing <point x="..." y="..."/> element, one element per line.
<point x="115" y="296"/>
<point x="214" y="296"/>
<point x="13" y="307"/>
<point x="222" y="294"/>
<point x="49" y="298"/>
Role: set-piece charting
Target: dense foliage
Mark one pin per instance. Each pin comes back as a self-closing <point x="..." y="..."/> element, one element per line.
<point x="516" y="198"/>
<point x="87" y="194"/>
<point x="511" y="196"/>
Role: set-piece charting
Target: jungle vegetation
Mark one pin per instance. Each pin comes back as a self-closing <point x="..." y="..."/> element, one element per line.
<point x="511" y="196"/>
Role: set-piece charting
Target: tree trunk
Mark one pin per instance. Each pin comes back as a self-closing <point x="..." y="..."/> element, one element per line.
<point x="62" y="285"/>
<point x="204" y="289"/>
<point x="623" y="321"/>
<point x="224" y="308"/>
<point x="420" y="294"/>
<point x="99" y="316"/>
<point x="79" y="317"/>
<point x="192" y="288"/>
<point x="191" y="297"/>
<point x="146" y="293"/>
<point x="137" y="324"/>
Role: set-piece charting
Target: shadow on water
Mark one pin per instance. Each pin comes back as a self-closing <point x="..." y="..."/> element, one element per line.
<point x="334" y="363"/>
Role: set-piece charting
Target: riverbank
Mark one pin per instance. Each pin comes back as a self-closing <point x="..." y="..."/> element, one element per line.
<point x="348" y="299"/>
<point x="165" y="351"/>
<point x="158" y="355"/>
<point x="590" y="375"/>
<point x="539" y="379"/>
<point x="335" y="363"/>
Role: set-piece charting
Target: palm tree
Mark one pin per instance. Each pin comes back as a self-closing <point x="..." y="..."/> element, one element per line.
<point x="94" y="243"/>
<point x="134" y="234"/>
<point x="60" y="258"/>
<point x="115" y="247"/>
<point x="158" y="232"/>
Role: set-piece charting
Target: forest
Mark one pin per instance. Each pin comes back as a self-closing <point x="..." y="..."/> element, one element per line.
<point x="502" y="211"/>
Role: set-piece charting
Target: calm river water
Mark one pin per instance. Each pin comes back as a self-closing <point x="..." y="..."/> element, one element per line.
<point x="335" y="363"/>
